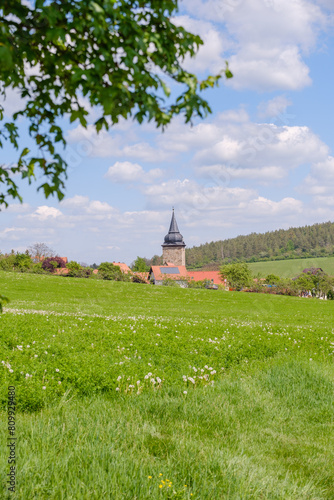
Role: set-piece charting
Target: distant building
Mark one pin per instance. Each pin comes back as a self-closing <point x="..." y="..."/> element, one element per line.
<point x="123" y="267"/>
<point x="173" y="247"/>
<point x="178" y="274"/>
<point x="313" y="270"/>
<point x="212" y="276"/>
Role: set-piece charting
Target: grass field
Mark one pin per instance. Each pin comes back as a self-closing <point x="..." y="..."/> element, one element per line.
<point x="293" y="267"/>
<point x="129" y="391"/>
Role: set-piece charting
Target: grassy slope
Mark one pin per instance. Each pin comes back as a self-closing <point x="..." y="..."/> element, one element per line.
<point x="265" y="430"/>
<point x="291" y="268"/>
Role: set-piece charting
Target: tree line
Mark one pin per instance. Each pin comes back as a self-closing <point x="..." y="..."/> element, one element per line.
<point x="316" y="240"/>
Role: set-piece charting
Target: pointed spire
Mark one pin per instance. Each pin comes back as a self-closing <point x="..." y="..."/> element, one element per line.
<point x="174" y="237"/>
<point x="173" y="228"/>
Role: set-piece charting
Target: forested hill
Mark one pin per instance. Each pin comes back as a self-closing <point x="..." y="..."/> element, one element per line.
<point x="293" y="243"/>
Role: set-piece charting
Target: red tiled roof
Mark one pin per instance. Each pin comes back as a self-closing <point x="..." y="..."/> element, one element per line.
<point x="124" y="267"/>
<point x="159" y="276"/>
<point x="61" y="270"/>
<point x="144" y="276"/>
<point x="206" y="275"/>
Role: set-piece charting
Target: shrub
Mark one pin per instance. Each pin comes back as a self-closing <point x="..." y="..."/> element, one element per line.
<point x="108" y="271"/>
<point x="37" y="268"/>
<point x="22" y="262"/>
<point x="52" y="263"/>
<point x="84" y="272"/>
<point x="74" y="266"/>
<point x="137" y="279"/>
<point x="7" y="262"/>
<point x="272" y="279"/>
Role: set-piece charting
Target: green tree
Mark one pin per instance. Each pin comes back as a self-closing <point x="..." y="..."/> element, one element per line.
<point x="272" y="279"/>
<point x="118" y="54"/>
<point x="305" y="282"/>
<point x="73" y="265"/>
<point x="238" y="275"/>
<point x="108" y="271"/>
<point x="22" y="261"/>
<point x="140" y="265"/>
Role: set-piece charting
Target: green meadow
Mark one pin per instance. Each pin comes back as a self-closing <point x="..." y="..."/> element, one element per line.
<point x="130" y="391"/>
<point x="292" y="267"/>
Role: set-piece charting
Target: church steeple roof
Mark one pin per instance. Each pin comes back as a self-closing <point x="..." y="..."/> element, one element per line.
<point x="174" y="237"/>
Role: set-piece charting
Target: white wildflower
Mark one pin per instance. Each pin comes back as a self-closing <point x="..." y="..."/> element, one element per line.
<point x="117" y="389"/>
<point x="44" y="387"/>
<point x="57" y="369"/>
<point x="20" y="347"/>
<point x="185" y="392"/>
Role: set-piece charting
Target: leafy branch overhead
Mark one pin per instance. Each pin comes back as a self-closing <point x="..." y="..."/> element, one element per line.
<point x="118" y="54"/>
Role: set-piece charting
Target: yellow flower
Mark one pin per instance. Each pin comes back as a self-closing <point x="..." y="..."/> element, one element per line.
<point x="160" y="474"/>
<point x="185" y="485"/>
<point x="160" y="485"/>
<point x="150" y="477"/>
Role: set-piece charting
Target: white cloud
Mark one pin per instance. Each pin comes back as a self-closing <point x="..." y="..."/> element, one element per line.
<point x="320" y="181"/>
<point x="264" y="40"/>
<point x="13" y="233"/>
<point x="209" y="55"/>
<point x="264" y="145"/>
<point x="18" y="208"/>
<point x="88" y="143"/>
<point x="273" y="108"/>
<point x="224" y="173"/>
<point x="127" y="172"/>
<point x="188" y="193"/>
<point x="12" y="103"/>
<point x="44" y="212"/>
<point x="260" y="67"/>
<point x="82" y="205"/>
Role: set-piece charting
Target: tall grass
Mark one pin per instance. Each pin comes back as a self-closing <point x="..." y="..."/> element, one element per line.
<point x="262" y="430"/>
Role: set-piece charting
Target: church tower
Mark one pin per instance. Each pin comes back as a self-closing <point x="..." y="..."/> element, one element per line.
<point x="174" y="248"/>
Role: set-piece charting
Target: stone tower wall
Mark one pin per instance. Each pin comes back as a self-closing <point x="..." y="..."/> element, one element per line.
<point x="176" y="255"/>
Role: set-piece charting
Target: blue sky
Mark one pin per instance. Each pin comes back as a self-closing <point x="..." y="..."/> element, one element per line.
<point x="262" y="161"/>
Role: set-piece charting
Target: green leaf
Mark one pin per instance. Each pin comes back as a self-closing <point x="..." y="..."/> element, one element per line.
<point x="6" y="59"/>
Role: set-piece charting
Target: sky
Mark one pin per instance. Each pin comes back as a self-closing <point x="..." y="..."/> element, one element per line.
<point x="263" y="160"/>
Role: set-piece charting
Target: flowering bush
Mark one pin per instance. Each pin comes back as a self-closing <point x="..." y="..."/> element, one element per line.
<point x="52" y="263"/>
